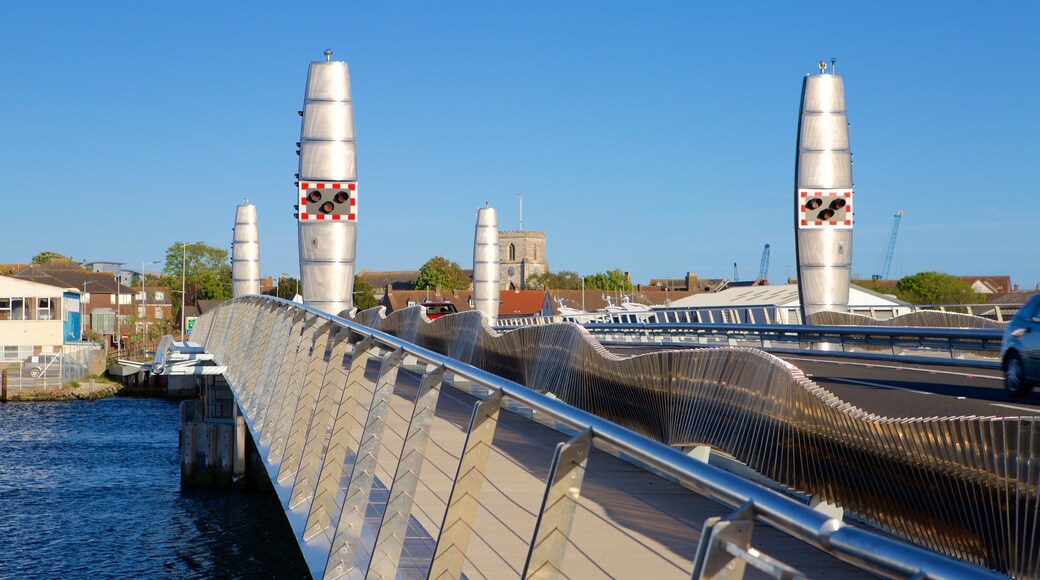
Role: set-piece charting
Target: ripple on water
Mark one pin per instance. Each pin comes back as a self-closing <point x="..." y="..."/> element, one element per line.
<point x="94" y="489"/>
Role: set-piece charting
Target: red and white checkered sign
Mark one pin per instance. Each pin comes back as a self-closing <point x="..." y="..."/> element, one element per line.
<point x="825" y="208"/>
<point x="315" y="197"/>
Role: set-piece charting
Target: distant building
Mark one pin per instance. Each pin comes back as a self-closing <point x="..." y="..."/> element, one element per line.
<point x="267" y="285"/>
<point x="989" y="284"/>
<point x="521" y="254"/>
<point x="36" y="317"/>
<point x="512" y="303"/>
<point x="154" y="306"/>
<point x="524" y="303"/>
<point x="690" y="283"/>
<point x="103" y="300"/>
<point x="394" y="300"/>
<point x="780" y="304"/>
<point x="393" y="280"/>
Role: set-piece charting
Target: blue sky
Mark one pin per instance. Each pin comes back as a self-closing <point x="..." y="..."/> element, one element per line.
<point x="653" y="137"/>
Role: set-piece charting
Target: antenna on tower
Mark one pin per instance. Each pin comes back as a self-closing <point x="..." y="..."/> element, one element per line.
<point x="823" y="66"/>
<point x="328" y="54"/>
<point x="834" y="68"/>
<point x="521" y="196"/>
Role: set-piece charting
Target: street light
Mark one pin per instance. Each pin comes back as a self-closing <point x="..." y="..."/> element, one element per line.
<point x="119" y="310"/>
<point x="144" y="300"/>
<point x="184" y="258"/>
<point x="82" y="310"/>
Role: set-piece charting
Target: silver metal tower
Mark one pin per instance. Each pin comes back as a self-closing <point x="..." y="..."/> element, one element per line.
<point x="823" y="196"/>
<point x="486" y="264"/>
<point x="245" y="252"/>
<point x="327" y="195"/>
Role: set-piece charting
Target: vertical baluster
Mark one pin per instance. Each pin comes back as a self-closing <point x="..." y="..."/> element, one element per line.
<point x="450" y="554"/>
<point x="553" y="528"/>
<point x="320" y="517"/>
<point x="390" y="539"/>
<point x="347" y="549"/>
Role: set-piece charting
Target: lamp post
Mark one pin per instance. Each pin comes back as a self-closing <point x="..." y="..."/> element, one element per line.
<point x="184" y="262"/>
<point x="119" y="310"/>
<point x="144" y="300"/>
<point x="82" y="310"/>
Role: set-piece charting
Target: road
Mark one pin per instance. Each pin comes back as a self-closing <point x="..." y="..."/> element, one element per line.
<point x="896" y="389"/>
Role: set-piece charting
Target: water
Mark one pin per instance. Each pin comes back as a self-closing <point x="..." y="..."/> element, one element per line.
<point x="93" y="489"/>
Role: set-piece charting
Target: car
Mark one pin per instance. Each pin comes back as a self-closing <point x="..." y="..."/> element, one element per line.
<point x="48" y="363"/>
<point x="435" y="310"/>
<point x="1020" y="350"/>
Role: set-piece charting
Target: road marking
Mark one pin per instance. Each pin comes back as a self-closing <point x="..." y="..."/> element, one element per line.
<point x="878" y="385"/>
<point x="1016" y="407"/>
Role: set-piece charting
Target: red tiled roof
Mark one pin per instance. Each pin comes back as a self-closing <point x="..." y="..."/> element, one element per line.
<point x="398" y="299"/>
<point x="521" y="303"/>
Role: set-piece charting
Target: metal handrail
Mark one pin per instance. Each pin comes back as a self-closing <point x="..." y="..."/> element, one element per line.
<point x="869" y="550"/>
<point x="773" y="314"/>
<point x="981" y="341"/>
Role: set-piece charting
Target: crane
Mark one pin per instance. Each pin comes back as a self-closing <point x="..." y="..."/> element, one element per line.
<point x="883" y="273"/>
<point x="763" y="268"/>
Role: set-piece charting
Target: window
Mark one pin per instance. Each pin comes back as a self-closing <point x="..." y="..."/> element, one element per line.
<point x="512" y="253"/>
<point x="158" y="296"/>
<point x="140" y="312"/>
<point x="158" y="313"/>
<point x="141" y="296"/>
<point x="411" y="303"/>
<point x="5" y="309"/>
<point x="84" y="298"/>
<point x="15" y="353"/>
<point x="17" y="309"/>
<point x="45" y="309"/>
<point x="111" y="298"/>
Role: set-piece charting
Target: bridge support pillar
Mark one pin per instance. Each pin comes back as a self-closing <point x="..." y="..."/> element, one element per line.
<point x="214" y="447"/>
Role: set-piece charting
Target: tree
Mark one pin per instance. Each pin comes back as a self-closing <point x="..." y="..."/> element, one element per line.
<point x="611" y="280"/>
<point x="937" y="288"/>
<point x="287" y="288"/>
<point x="565" y="280"/>
<point x="44" y="257"/>
<point x="439" y="272"/>
<point x="207" y="272"/>
<point x="364" y="298"/>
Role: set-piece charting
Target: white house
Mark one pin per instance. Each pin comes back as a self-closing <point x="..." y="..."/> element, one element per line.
<point x="36" y="316"/>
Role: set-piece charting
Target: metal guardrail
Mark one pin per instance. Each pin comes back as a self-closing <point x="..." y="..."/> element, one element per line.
<point x="299" y="378"/>
<point x="906" y="341"/>
<point x="928" y="315"/>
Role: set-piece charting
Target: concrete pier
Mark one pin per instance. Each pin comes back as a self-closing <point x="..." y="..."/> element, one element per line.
<point x="216" y="449"/>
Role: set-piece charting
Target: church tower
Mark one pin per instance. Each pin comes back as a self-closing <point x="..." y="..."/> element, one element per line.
<point x="521" y="254"/>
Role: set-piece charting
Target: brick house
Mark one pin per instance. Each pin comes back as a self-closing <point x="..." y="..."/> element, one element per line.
<point x="106" y="306"/>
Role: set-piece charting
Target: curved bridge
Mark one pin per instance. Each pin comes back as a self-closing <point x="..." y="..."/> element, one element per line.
<point x="962" y="486"/>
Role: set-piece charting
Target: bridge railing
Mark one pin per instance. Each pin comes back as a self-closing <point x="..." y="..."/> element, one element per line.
<point x="952" y="343"/>
<point x="380" y="477"/>
<point x="899" y="315"/>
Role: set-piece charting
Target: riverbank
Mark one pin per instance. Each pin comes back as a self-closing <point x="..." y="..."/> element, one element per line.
<point x="88" y="390"/>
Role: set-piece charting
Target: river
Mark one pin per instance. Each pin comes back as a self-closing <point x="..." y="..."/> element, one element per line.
<point x="93" y="489"/>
